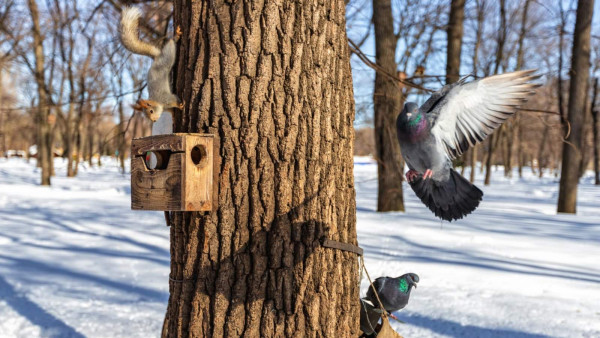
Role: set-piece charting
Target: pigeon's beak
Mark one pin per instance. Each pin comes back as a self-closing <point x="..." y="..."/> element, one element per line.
<point x="414" y="280"/>
<point x="409" y="114"/>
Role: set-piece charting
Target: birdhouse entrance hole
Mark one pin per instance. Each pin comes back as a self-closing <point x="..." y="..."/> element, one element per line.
<point x="157" y="160"/>
<point x="199" y="155"/>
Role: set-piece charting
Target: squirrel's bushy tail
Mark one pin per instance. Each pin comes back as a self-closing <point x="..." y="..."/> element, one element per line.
<point x="449" y="200"/>
<point x="129" y="34"/>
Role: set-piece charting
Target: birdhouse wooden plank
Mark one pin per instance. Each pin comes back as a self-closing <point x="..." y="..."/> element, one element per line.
<point x="172" y="172"/>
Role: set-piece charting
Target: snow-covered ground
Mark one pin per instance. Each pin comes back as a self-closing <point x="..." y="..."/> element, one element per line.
<point x="76" y="261"/>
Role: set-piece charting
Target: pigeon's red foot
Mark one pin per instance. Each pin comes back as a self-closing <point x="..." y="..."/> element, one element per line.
<point x="428" y="174"/>
<point x="411" y="175"/>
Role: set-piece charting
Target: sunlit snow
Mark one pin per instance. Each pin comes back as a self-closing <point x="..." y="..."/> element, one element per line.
<point x="76" y="261"/>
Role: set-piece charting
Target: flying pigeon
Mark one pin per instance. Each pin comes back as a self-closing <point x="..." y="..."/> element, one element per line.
<point x="393" y="292"/>
<point x="454" y="118"/>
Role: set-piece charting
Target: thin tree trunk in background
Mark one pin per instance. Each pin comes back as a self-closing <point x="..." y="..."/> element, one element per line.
<point x="595" y="131"/>
<point x="585" y="129"/>
<point x="77" y="148"/>
<point x="495" y="137"/>
<point x="501" y="37"/>
<point x="454" y="35"/>
<point x="66" y="51"/>
<point x="559" y="88"/>
<point x="69" y="139"/>
<point x="541" y="161"/>
<point x="478" y="36"/>
<point x="70" y="125"/>
<point x="520" y="154"/>
<point x="3" y="152"/>
<point x="90" y="140"/>
<point x="121" y="137"/>
<point x="483" y="160"/>
<point x="387" y="104"/>
<point x="490" y="157"/>
<point x="509" y="138"/>
<point x="473" y="162"/>
<point x="44" y="146"/>
<point x="272" y="81"/>
<point x="520" y="62"/>
<point x="571" y="157"/>
<point x="561" y="38"/>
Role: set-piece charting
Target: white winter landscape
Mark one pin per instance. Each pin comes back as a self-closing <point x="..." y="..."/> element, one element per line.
<point x="75" y="261"/>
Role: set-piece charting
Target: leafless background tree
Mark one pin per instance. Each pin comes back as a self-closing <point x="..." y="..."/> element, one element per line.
<point x="497" y="37"/>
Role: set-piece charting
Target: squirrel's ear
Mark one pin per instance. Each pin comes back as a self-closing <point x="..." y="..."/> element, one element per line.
<point x="137" y="107"/>
<point x="149" y="103"/>
<point x="145" y="104"/>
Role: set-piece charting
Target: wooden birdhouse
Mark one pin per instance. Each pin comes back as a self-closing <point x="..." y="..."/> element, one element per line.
<point x="172" y="172"/>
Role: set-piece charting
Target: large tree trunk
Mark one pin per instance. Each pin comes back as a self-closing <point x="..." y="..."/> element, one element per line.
<point x="580" y="64"/>
<point x="454" y="33"/>
<point x="272" y="81"/>
<point x="387" y="104"/>
<point x="44" y="143"/>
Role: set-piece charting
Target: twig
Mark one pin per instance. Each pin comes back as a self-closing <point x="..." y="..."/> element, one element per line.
<point x="356" y="50"/>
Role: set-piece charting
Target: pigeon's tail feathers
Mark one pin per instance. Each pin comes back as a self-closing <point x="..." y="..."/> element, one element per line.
<point x="449" y="200"/>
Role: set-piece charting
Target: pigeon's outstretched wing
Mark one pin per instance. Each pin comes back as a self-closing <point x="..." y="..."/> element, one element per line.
<point x="469" y="112"/>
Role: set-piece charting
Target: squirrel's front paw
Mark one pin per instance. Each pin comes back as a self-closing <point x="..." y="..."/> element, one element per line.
<point x="178" y="31"/>
<point x="181" y="105"/>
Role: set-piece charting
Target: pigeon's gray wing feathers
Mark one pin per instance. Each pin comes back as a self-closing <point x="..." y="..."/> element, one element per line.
<point x="469" y="112"/>
<point x="439" y="95"/>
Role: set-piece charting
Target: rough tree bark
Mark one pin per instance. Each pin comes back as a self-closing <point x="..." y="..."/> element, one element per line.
<point x="387" y="104"/>
<point x="272" y="81"/>
<point x="580" y="64"/>
<point x="454" y="33"/>
<point x="44" y="144"/>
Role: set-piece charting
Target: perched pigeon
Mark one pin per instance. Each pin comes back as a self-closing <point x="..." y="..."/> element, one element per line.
<point x="454" y="118"/>
<point x="393" y="292"/>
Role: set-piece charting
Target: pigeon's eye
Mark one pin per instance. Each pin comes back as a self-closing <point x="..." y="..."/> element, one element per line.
<point x="151" y="111"/>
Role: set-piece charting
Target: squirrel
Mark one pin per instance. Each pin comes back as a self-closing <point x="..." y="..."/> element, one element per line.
<point x="159" y="90"/>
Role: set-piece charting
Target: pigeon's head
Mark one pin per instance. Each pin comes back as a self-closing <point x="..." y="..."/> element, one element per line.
<point x="410" y="109"/>
<point x="407" y="281"/>
<point x="411" y="116"/>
